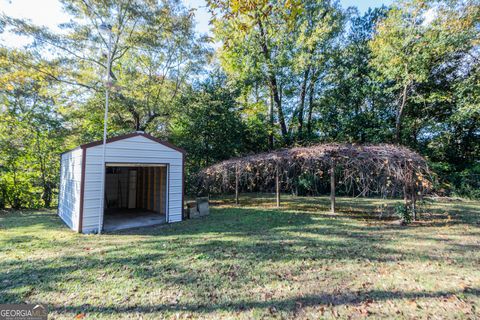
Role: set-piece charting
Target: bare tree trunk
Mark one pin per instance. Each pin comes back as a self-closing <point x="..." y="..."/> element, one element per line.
<point x="208" y="190"/>
<point x="414" y="203"/>
<point x="272" y="81"/>
<point x="405" y="196"/>
<point x="332" y="187"/>
<point x="277" y="184"/>
<point x="303" y="94"/>
<point x="310" y="103"/>
<point x="236" y="186"/>
<point x="398" y="120"/>
<point x="16" y="202"/>
<point x="46" y="185"/>
<point x="270" y="136"/>
<point x="278" y="104"/>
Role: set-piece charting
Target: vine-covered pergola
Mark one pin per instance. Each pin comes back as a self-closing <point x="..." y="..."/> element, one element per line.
<point x="383" y="170"/>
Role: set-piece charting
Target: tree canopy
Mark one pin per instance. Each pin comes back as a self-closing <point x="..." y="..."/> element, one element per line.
<point x="270" y="75"/>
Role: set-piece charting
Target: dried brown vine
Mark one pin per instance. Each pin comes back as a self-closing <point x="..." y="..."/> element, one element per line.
<point x="385" y="170"/>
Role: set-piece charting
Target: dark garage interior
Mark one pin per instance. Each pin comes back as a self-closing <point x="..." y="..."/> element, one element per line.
<point x="135" y="196"/>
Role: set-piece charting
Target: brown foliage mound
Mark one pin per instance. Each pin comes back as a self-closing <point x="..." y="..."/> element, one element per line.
<point x="386" y="170"/>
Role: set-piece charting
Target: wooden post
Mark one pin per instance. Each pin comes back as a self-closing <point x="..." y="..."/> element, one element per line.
<point x="332" y="187"/>
<point x="163" y="192"/>
<point x="155" y="189"/>
<point x="277" y="183"/>
<point x="414" y="203"/>
<point x="138" y="191"/>
<point x="149" y="184"/>
<point x="236" y="185"/>
<point x="208" y="189"/>
<point x="145" y="188"/>
<point x="141" y="189"/>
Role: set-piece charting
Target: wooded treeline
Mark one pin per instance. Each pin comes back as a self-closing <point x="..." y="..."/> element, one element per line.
<point x="272" y="74"/>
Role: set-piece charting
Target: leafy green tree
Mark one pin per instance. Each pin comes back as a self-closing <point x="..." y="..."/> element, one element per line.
<point x="352" y="105"/>
<point x="428" y="50"/>
<point x="408" y="48"/>
<point x="31" y="134"/>
<point x="280" y="43"/>
<point x="210" y="127"/>
<point x="319" y="25"/>
<point x="155" y="51"/>
<point x="285" y="73"/>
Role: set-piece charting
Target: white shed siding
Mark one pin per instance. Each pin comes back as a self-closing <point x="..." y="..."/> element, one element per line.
<point x="136" y="149"/>
<point x="69" y="193"/>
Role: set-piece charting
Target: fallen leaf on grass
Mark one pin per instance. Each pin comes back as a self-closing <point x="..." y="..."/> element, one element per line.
<point x="413" y="303"/>
<point x="80" y="316"/>
<point x="335" y="313"/>
<point x="267" y="296"/>
<point x="322" y="310"/>
<point x="364" y="311"/>
<point x="272" y="309"/>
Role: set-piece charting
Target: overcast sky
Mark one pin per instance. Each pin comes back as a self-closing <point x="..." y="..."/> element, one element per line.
<point x="49" y="13"/>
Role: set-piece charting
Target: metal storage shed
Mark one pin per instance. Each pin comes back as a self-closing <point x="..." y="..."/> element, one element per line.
<point x="144" y="184"/>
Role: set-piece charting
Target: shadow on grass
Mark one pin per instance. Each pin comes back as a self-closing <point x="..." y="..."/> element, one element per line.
<point x="241" y="238"/>
<point x="430" y="213"/>
<point x="284" y="305"/>
<point x="249" y="236"/>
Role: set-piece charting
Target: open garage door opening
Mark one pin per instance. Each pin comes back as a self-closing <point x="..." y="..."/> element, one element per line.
<point x="135" y="196"/>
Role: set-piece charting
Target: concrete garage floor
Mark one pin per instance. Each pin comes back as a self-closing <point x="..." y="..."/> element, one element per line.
<point x="119" y="219"/>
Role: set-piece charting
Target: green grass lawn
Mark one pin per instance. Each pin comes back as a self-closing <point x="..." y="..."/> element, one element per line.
<point x="252" y="261"/>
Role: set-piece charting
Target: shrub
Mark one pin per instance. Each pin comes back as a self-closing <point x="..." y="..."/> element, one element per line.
<point x="404" y="213"/>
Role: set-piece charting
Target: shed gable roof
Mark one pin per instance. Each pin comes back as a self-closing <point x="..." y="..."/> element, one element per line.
<point x="130" y="135"/>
